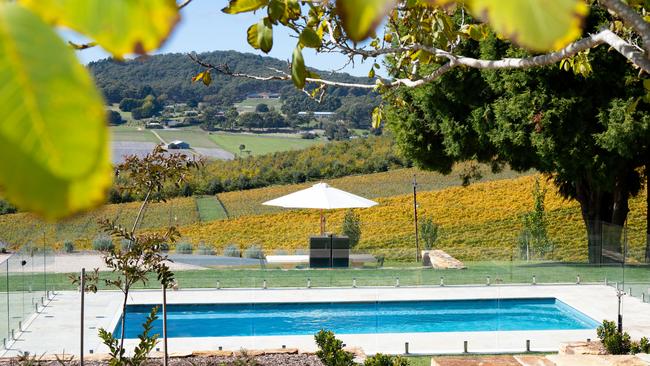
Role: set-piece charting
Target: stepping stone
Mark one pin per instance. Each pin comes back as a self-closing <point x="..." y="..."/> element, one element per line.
<point x="530" y="360"/>
<point x="475" y="361"/>
<point x="596" y="360"/>
<point x="582" y="348"/>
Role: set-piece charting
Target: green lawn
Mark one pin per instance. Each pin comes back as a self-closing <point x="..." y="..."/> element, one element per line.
<point x="194" y="136"/>
<point x="125" y="115"/>
<point x="210" y="208"/>
<point x="505" y="272"/>
<point x="260" y="144"/>
<point x="249" y="104"/>
<point x="419" y="360"/>
<point x="132" y="133"/>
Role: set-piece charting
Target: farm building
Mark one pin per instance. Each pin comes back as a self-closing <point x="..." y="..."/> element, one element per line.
<point x="177" y="144"/>
<point x="318" y="114"/>
<point x="264" y="95"/>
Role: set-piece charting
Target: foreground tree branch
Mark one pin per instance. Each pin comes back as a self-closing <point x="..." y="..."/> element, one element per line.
<point x="632" y="19"/>
<point x="605" y="36"/>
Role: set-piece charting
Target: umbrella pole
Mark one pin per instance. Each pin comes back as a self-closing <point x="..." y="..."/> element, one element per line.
<point x="322" y="223"/>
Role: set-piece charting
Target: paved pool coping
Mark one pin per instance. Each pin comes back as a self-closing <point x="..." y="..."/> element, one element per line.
<point x="56" y="328"/>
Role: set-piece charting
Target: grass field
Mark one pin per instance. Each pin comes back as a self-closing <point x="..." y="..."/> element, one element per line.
<point x="259" y="144"/>
<point x="476" y="273"/>
<point x="210" y="209"/>
<point x="125" y="115"/>
<point x="384" y="184"/>
<point x="249" y="104"/>
<point x="23" y="228"/>
<point x="483" y="220"/>
<point x="194" y="136"/>
<point x="132" y="133"/>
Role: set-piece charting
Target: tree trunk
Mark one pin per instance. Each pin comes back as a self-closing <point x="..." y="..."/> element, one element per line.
<point x="123" y="325"/>
<point x="647" y="214"/>
<point x="604" y="214"/>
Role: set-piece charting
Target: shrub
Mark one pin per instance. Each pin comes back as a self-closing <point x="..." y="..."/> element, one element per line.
<point x="164" y="247"/>
<point x="126" y="245"/>
<point x="254" y="251"/>
<point x="330" y="350"/>
<point x="205" y="249"/>
<point x="385" y="360"/>
<point x="534" y="239"/>
<point x="614" y="342"/>
<point x="7" y="208"/>
<point x="642" y="346"/>
<point x="103" y="243"/>
<point x="428" y="233"/>
<point x="232" y="251"/>
<point x="352" y="227"/>
<point x="184" y="248"/>
<point x="68" y="246"/>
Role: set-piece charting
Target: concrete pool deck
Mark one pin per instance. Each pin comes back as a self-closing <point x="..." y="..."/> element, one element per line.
<point x="56" y="328"/>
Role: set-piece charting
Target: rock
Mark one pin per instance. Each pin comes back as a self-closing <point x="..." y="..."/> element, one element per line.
<point x="288" y="351"/>
<point x="439" y="259"/>
<point x="533" y="360"/>
<point x="596" y="360"/>
<point x="582" y="348"/>
<point x="249" y="353"/>
<point x="212" y="353"/>
<point x="359" y="354"/>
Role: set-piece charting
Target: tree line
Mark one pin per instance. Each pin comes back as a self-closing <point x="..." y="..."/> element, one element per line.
<point x="143" y="86"/>
<point x="332" y="160"/>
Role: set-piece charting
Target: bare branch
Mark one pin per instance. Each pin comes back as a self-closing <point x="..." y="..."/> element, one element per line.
<point x="184" y="4"/>
<point x="605" y="36"/>
<point x="632" y="19"/>
<point x="82" y="46"/>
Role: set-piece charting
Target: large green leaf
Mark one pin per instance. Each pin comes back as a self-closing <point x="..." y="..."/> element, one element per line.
<point x="277" y="10"/>
<point x="309" y="38"/>
<point x="265" y="35"/>
<point x="241" y="6"/>
<point x="298" y="70"/>
<point x="251" y="36"/>
<point x="361" y="17"/>
<point x="534" y="24"/>
<point x="53" y="135"/>
<point x="119" y="26"/>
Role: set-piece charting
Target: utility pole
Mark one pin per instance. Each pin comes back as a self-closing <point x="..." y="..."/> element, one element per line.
<point x="415" y="218"/>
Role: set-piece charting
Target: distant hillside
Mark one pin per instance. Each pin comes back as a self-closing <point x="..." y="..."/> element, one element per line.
<point x="169" y="75"/>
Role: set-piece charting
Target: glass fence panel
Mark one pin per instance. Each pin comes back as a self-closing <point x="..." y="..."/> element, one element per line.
<point x="4" y="300"/>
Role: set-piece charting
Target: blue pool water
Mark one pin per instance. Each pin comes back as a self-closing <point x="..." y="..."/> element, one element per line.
<point x="223" y="320"/>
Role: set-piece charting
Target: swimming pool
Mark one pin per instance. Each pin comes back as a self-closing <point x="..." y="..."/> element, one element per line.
<point x="264" y="319"/>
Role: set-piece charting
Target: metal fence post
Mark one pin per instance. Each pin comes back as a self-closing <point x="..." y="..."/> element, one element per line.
<point x="82" y="287"/>
<point x="164" y="311"/>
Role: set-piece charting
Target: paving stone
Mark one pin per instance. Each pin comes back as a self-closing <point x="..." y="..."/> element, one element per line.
<point x="582" y="348"/>
<point x="475" y="361"/>
<point x="534" y="360"/>
<point x="212" y="353"/>
<point x="596" y="360"/>
<point x="288" y="351"/>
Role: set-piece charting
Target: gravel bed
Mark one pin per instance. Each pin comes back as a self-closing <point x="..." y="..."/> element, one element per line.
<point x="262" y="360"/>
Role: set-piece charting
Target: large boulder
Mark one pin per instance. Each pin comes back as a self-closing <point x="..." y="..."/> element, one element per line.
<point x="439" y="259"/>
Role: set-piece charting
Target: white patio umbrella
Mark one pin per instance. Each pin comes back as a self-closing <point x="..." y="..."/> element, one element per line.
<point x="321" y="196"/>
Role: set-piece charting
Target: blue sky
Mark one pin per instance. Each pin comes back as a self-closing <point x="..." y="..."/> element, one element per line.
<point x="204" y="27"/>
